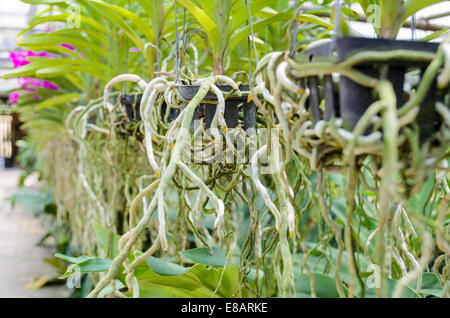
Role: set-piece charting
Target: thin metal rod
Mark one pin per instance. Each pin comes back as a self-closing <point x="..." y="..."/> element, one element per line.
<point x="413" y="28"/>
<point x="337" y="14"/>
<point x="251" y="30"/>
<point x="177" y="44"/>
<point x="126" y="59"/>
<point x="184" y="29"/>
<point x="350" y="13"/>
<point x="249" y="58"/>
<point x="294" y="30"/>
<point x="155" y="28"/>
<point x="184" y="40"/>
<point x="375" y="18"/>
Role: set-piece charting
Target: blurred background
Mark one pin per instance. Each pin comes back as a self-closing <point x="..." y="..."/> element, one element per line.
<point x="25" y="251"/>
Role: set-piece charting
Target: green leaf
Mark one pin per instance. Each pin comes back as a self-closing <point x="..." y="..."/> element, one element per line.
<point x="109" y="289"/>
<point x="107" y="240"/>
<point x="325" y="286"/>
<point x="85" y="264"/>
<point x="310" y="18"/>
<point x="59" y="99"/>
<point x="240" y="18"/>
<point x="35" y="2"/>
<point x="202" y="255"/>
<point x="412" y="6"/>
<point x="242" y="34"/>
<point x="31" y="198"/>
<point x="164" y="268"/>
<point x="434" y="35"/>
<point x="53" y="39"/>
<point x="140" y="24"/>
<point x="207" y="23"/>
<point x="418" y="201"/>
<point x="430" y="285"/>
<point x="90" y="265"/>
<point x="210" y="277"/>
<point x="408" y="292"/>
<point x="63" y="18"/>
<point x="321" y="264"/>
<point x="197" y="281"/>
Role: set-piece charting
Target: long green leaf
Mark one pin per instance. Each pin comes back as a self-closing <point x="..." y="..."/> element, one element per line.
<point x="59" y="99"/>
<point x="207" y="23"/>
<point x="240" y="36"/>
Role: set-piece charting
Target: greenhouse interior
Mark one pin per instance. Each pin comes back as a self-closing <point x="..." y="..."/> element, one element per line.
<point x="210" y="149"/>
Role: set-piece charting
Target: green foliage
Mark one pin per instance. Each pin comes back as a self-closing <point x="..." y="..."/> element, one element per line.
<point x="196" y="281"/>
<point x="97" y="173"/>
<point x="202" y="255"/>
<point x="391" y="15"/>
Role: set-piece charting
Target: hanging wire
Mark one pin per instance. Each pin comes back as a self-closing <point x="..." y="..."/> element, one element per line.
<point x="177" y="44"/>
<point x="155" y="27"/>
<point x="126" y="58"/>
<point x="337" y="13"/>
<point x="108" y="48"/>
<point x="294" y="31"/>
<point x="375" y="18"/>
<point x="413" y="28"/>
<point x="184" y="40"/>
<point x="249" y="58"/>
<point x="184" y="29"/>
<point x="247" y="2"/>
<point x="350" y="14"/>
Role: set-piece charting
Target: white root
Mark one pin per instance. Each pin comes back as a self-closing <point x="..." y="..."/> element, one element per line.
<point x="121" y="78"/>
<point x="444" y="78"/>
<point x="360" y="140"/>
<point x="444" y="112"/>
<point x="230" y="82"/>
<point x="162" y="221"/>
<point x="194" y="49"/>
<point x="285" y="81"/>
<point x="148" y="99"/>
<point x="262" y="189"/>
<point x="220" y="109"/>
<point x="218" y="204"/>
<point x="290" y="210"/>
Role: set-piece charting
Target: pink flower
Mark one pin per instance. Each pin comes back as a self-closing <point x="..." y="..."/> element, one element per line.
<point x="68" y="46"/>
<point x="26" y="82"/>
<point x="19" y="58"/>
<point x="29" y="84"/>
<point x="13" y="97"/>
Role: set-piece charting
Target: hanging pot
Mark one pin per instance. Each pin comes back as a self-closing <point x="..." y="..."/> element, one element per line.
<point x="349" y="100"/>
<point x="132" y="103"/>
<point x="231" y="106"/>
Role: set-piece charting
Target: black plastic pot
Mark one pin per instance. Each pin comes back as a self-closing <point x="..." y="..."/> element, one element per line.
<point x="231" y="106"/>
<point x="132" y="108"/>
<point x="132" y="102"/>
<point x="349" y="100"/>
